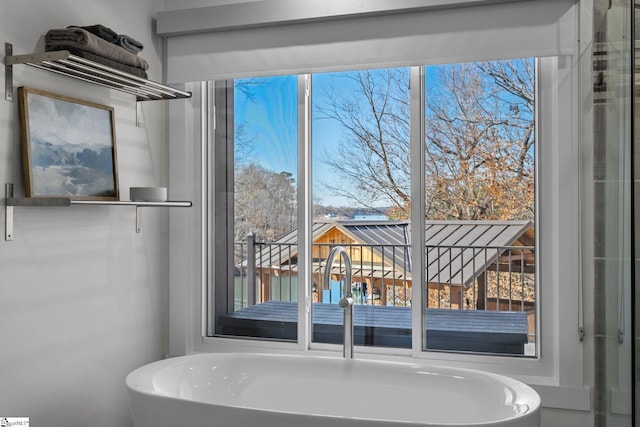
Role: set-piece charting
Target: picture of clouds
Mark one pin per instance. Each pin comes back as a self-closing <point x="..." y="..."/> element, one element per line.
<point x="68" y="147"/>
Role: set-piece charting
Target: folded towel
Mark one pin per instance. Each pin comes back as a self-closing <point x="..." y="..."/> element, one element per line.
<point x="139" y="72"/>
<point x="129" y="43"/>
<point x="101" y="31"/>
<point x="84" y="40"/>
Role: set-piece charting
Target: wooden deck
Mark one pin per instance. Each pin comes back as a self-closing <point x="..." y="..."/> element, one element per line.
<point x="501" y="332"/>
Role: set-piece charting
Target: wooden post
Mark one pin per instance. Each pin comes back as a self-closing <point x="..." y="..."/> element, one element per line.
<point x="455" y="296"/>
<point x="482" y="292"/>
<point x="251" y="269"/>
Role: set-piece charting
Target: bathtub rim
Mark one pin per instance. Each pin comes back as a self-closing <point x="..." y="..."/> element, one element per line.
<point x="146" y="371"/>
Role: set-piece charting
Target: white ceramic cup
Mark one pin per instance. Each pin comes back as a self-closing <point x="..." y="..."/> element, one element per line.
<point x="148" y="194"/>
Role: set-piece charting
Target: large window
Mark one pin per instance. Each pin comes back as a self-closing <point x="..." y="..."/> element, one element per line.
<point x="260" y="171"/>
<point x="360" y="139"/>
<point x="480" y="206"/>
<point x="478" y="289"/>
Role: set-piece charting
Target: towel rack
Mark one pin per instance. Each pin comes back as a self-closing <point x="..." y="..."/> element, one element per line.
<point x="63" y="62"/>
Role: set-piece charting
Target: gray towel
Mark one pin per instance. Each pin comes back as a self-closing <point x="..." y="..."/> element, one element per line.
<point x="99" y="30"/>
<point x="82" y="39"/>
<point x="129" y="43"/>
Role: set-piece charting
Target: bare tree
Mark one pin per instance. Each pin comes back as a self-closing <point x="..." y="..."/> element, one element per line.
<point x="479" y="140"/>
<point x="264" y="200"/>
<point x="372" y="160"/>
<point x="264" y="203"/>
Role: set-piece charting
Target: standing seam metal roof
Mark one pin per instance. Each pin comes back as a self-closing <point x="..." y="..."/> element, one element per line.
<point x="456" y="250"/>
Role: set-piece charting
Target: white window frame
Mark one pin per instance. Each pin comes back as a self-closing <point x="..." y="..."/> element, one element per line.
<point x="557" y="372"/>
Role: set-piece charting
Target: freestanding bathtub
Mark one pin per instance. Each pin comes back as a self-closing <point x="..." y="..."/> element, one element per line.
<point x="245" y="390"/>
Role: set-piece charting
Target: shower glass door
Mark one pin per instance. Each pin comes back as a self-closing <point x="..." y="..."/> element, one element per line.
<point x="612" y="208"/>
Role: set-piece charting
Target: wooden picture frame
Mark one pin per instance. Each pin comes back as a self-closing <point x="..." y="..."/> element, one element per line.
<point x="68" y="147"/>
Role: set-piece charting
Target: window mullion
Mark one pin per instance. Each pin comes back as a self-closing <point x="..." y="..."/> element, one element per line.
<point x="417" y="155"/>
<point x="218" y="130"/>
<point x="207" y="139"/>
<point x="305" y="211"/>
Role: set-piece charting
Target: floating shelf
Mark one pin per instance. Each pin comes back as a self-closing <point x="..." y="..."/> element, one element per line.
<point x="63" y="202"/>
<point x="63" y="62"/>
<point x="10" y="202"/>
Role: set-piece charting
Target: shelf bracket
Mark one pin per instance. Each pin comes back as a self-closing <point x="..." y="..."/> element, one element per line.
<point x="8" y="213"/>
<point x="138" y="220"/>
<point x="8" y="73"/>
<point x="138" y="113"/>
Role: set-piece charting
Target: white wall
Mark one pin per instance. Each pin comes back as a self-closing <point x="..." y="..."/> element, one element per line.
<point x="83" y="298"/>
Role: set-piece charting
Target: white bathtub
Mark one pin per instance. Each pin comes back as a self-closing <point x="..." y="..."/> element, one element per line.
<point x="244" y="390"/>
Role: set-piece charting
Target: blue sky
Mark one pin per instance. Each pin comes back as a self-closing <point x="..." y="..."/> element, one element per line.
<point x="270" y="115"/>
<point x="268" y="109"/>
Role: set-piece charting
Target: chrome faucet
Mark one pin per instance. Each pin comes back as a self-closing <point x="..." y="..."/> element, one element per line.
<point x="346" y="302"/>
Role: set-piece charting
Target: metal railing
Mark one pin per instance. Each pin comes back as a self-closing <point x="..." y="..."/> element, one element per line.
<point x="264" y="271"/>
<point x="477" y="278"/>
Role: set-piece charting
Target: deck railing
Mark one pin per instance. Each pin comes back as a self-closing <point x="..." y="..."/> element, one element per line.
<point x="477" y="278"/>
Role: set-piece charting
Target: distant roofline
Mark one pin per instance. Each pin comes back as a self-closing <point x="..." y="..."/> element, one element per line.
<point x="428" y="221"/>
<point x="360" y="222"/>
<point x="322" y="226"/>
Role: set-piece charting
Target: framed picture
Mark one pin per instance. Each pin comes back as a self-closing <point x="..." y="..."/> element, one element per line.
<point x="68" y="147"/>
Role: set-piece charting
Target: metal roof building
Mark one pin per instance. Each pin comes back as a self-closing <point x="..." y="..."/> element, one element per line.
<point x="457" y="251"/>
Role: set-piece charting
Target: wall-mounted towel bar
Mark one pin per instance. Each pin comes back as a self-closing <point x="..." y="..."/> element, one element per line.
<point x="63" y="62"/>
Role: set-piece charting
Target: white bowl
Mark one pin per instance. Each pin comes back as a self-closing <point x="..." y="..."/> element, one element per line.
<point x="148" y="194"/>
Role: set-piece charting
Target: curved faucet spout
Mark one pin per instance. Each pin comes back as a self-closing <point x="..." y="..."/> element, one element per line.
<point x="346" y="302"/>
